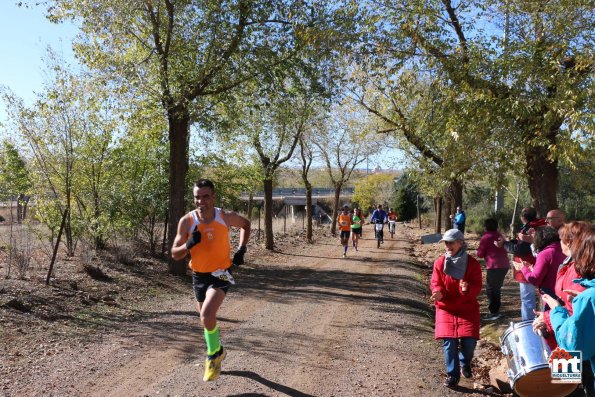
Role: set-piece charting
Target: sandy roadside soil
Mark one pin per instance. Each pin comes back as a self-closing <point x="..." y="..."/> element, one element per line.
<point x="302" y="321"/>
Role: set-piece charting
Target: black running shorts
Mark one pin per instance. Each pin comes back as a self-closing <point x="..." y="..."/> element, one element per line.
<point x="201" y="282"/>
<point x="345" y="234"/>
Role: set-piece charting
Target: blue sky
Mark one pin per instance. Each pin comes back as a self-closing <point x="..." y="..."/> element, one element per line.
<point x="25" y="36"/>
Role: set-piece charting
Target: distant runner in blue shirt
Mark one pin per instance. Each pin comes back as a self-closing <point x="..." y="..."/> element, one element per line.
<point x="378" y="215"/>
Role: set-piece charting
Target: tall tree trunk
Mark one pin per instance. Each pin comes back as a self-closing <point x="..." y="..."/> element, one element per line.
<point x="19" y="209"/>
<point x="68" y="225"/>
<point x="269" y="242"/>
<point x="453" y="199"/>
<point x="98" y="236"/>
<point x="338" y="187"/>
<point x="308" y="211"/>
<point x="542" y="177"/>
<point x="514" y="210"/>
<point x="179" y="122"/>
<point x="438" y="212"/>
<point x="250" y="205"/>
<point x="152" y="237"/>
<point x="25" y="206"/>
<point x="164" y="240"/>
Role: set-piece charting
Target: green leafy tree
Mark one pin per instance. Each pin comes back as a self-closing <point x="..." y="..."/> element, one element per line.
<point x="346" y="141"/>
<point x="182" y="54"/>
<point x="136" y="202"/>
<point x="15" y="180"/>
<point x="69" y="132"/>
<point x="374" y="189"/>
<point x="436" y="128"/>
<point x="274" y="133"/>
<point x="531" y="62"/>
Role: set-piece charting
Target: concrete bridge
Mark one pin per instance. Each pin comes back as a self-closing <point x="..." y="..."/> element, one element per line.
<point x="297" y="196"/>
<point x="294" y="200"/>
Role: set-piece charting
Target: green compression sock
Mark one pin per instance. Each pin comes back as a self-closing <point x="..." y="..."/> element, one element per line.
<point x="212" y="339"/>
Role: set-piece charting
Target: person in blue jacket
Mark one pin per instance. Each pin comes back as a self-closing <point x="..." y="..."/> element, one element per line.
<point x="379" y="216"/>
<point x="577" y="332"/>
<point x="459" y="220"/>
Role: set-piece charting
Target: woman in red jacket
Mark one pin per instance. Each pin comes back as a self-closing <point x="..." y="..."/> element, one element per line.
<point x="571" y="234"/>
<point x="456" y="282"/>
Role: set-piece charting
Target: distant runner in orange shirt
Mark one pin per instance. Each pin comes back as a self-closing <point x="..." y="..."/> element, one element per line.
<point x="345" y="228"/>
<point x="204" y="234"/>
<point x="392" y="221"/>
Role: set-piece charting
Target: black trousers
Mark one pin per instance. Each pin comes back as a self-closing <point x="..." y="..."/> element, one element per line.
<point x="494" y="281"/>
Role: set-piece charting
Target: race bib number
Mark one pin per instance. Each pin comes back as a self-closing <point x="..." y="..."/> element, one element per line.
<point x="224" y="275"/>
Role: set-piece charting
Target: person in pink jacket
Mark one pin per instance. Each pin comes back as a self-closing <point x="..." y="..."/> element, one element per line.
<point x="497" y="265"/>
<point x="543" y="273"/>
<point x="455" y="285"/>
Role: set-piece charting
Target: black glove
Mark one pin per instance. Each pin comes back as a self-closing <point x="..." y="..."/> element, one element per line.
<point x="194" y="238"/>
<point x="238" y="257"/>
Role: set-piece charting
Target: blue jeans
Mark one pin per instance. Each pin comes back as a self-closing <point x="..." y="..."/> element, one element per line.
<point x="455" y="358"/>
<point x="527" y="301"/>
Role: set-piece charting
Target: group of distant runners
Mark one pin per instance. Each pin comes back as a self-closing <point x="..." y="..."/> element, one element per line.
<point x="203" y="234"/>
<point x="351" y="223"/>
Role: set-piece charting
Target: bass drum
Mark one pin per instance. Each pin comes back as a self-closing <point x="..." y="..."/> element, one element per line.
<point x="527" y="355"/>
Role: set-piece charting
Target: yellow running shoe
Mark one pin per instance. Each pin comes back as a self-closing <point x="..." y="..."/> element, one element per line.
<point x="213" y="365"/>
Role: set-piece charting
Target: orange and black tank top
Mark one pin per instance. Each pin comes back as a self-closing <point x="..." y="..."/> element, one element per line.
<point x="212" y="253"/>
<point x="345" y="222"/>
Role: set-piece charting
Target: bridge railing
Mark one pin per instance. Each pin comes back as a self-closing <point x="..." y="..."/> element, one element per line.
<point x="285" y="192"/>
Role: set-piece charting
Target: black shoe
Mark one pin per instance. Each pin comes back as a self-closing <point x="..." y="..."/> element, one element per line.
<point x="491" y="316"/>
<point x="467" y="371"/>
<point x="451" y="381"/>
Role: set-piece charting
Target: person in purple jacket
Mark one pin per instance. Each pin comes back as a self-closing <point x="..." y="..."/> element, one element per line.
<point x="497" y="266"/>
<point x="543" y="273"/>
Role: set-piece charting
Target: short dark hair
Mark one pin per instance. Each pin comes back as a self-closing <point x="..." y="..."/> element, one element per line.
<point x="491" y="225"/>
<point x="530" y="214"/>
<point x="545" y="236"/>
<point x="204" y="183"/>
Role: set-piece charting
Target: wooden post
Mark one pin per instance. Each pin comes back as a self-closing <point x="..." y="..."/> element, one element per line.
<point x="164" y="241"/>
<point x="304" y="220"/>
<point x="285" y="220"/>
<point x="47" y="280"/>
<point x="258" y="235"/>
<point x="418" y="212"/>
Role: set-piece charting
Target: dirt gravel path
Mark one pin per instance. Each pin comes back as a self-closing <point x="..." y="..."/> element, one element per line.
<point x="303" y="322"/>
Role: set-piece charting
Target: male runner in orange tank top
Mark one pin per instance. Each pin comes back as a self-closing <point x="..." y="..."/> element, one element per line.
<point x="204" y="234"/>
<point x="345" y="223"/>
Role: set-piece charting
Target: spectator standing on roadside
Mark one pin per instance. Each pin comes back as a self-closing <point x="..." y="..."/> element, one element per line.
<point x="555" y="218"/>
<point x="575" y="331"/>
<point x="455" y="285"/>
<point x="549" y="258"/>
<point x="521" y="251"/>
<point x="497" y="266"/>
<point x="459" y="220"/>
<point x="566" y="289"/>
